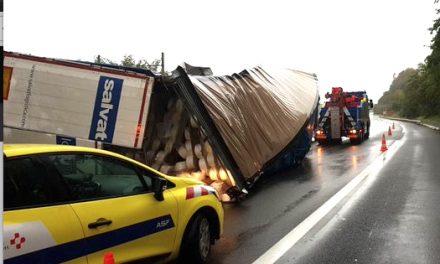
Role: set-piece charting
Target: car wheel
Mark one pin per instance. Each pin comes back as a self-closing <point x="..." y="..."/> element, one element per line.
<point x="196" y="244"/>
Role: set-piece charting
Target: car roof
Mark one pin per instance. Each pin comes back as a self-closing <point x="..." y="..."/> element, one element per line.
<point x="13" y="150"/>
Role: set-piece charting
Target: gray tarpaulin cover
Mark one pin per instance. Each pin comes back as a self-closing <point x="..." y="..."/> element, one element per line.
<point x="258" y="112"/>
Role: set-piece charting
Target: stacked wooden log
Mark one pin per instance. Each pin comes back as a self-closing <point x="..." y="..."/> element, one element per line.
<point x="181" y="148"/>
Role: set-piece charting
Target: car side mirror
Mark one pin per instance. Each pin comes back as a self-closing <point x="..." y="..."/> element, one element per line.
<point x="159" y="186"/>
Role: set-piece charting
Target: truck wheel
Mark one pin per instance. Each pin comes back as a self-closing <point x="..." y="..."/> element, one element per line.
<point x="356" y="141"/>
<point x="322" y="142"/>
<point x="337" y="141"/>
<point x="196" y="243"/>
<point x="367" y="135"/>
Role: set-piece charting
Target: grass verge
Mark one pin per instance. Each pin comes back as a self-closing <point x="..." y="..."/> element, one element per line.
<point x="432" y="120"/>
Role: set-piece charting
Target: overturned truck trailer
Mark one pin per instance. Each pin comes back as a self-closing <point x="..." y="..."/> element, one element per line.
<point x="77" y="103"/>
<point x="258" y="121"/>
<point x="226" y="131"/>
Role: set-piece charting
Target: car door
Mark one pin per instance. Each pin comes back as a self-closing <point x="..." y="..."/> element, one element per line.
<point x="39" y="224"/>
<point x="117" y="208"/>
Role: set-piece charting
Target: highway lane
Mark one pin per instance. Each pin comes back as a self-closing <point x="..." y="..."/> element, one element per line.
<point x="392" y="219"/>
<point x="278" y="203"/>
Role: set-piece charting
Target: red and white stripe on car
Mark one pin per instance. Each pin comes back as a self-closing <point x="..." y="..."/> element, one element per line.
<point x="197" y="191"/>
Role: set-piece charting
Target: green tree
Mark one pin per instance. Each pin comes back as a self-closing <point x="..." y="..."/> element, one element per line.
<point x="101" y="60"/>
<point x="413" y="95"/>
<point x="129" y="61"/>
<point x="432" y="70"/>
<point x="393" y="99"/>
<point x="416" y="93"/>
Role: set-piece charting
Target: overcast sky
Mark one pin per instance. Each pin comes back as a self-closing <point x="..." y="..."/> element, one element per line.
<point x="358" y="45"/>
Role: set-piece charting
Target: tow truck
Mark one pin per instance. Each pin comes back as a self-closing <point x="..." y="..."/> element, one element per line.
<point x="345" y="114"/>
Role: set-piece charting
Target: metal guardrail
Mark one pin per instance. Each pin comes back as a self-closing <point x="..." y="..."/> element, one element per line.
<point x="414" y="121"/>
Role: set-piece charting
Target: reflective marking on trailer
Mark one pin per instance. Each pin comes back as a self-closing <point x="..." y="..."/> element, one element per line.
<point x="7" y="76"/>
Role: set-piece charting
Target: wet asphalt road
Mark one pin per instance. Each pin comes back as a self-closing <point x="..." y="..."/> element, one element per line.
<point x="392" y="218"/>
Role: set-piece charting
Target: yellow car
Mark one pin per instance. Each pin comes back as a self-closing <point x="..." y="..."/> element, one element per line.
<point x="74" y="204"/>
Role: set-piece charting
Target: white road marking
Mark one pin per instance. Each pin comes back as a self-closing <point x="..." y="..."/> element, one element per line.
<point x="288" y="241"/>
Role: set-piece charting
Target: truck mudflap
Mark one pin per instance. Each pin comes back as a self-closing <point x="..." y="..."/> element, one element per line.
<point x="253" y="119"/>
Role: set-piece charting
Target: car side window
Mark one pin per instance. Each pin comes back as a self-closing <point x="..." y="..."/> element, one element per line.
<point x="93" y="177"/>
<point x="27" y="183"/>
<point x="147" y="178"/>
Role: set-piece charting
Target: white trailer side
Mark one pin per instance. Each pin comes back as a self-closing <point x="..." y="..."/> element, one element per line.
<point x="75" y="100"/>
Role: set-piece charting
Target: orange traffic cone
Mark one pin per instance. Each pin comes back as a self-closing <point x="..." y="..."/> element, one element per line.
<point x="394" y="126"/>
<point x="109" y="258"/>
<point x="389" y="131"/>
<point x="384" y="144"/>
